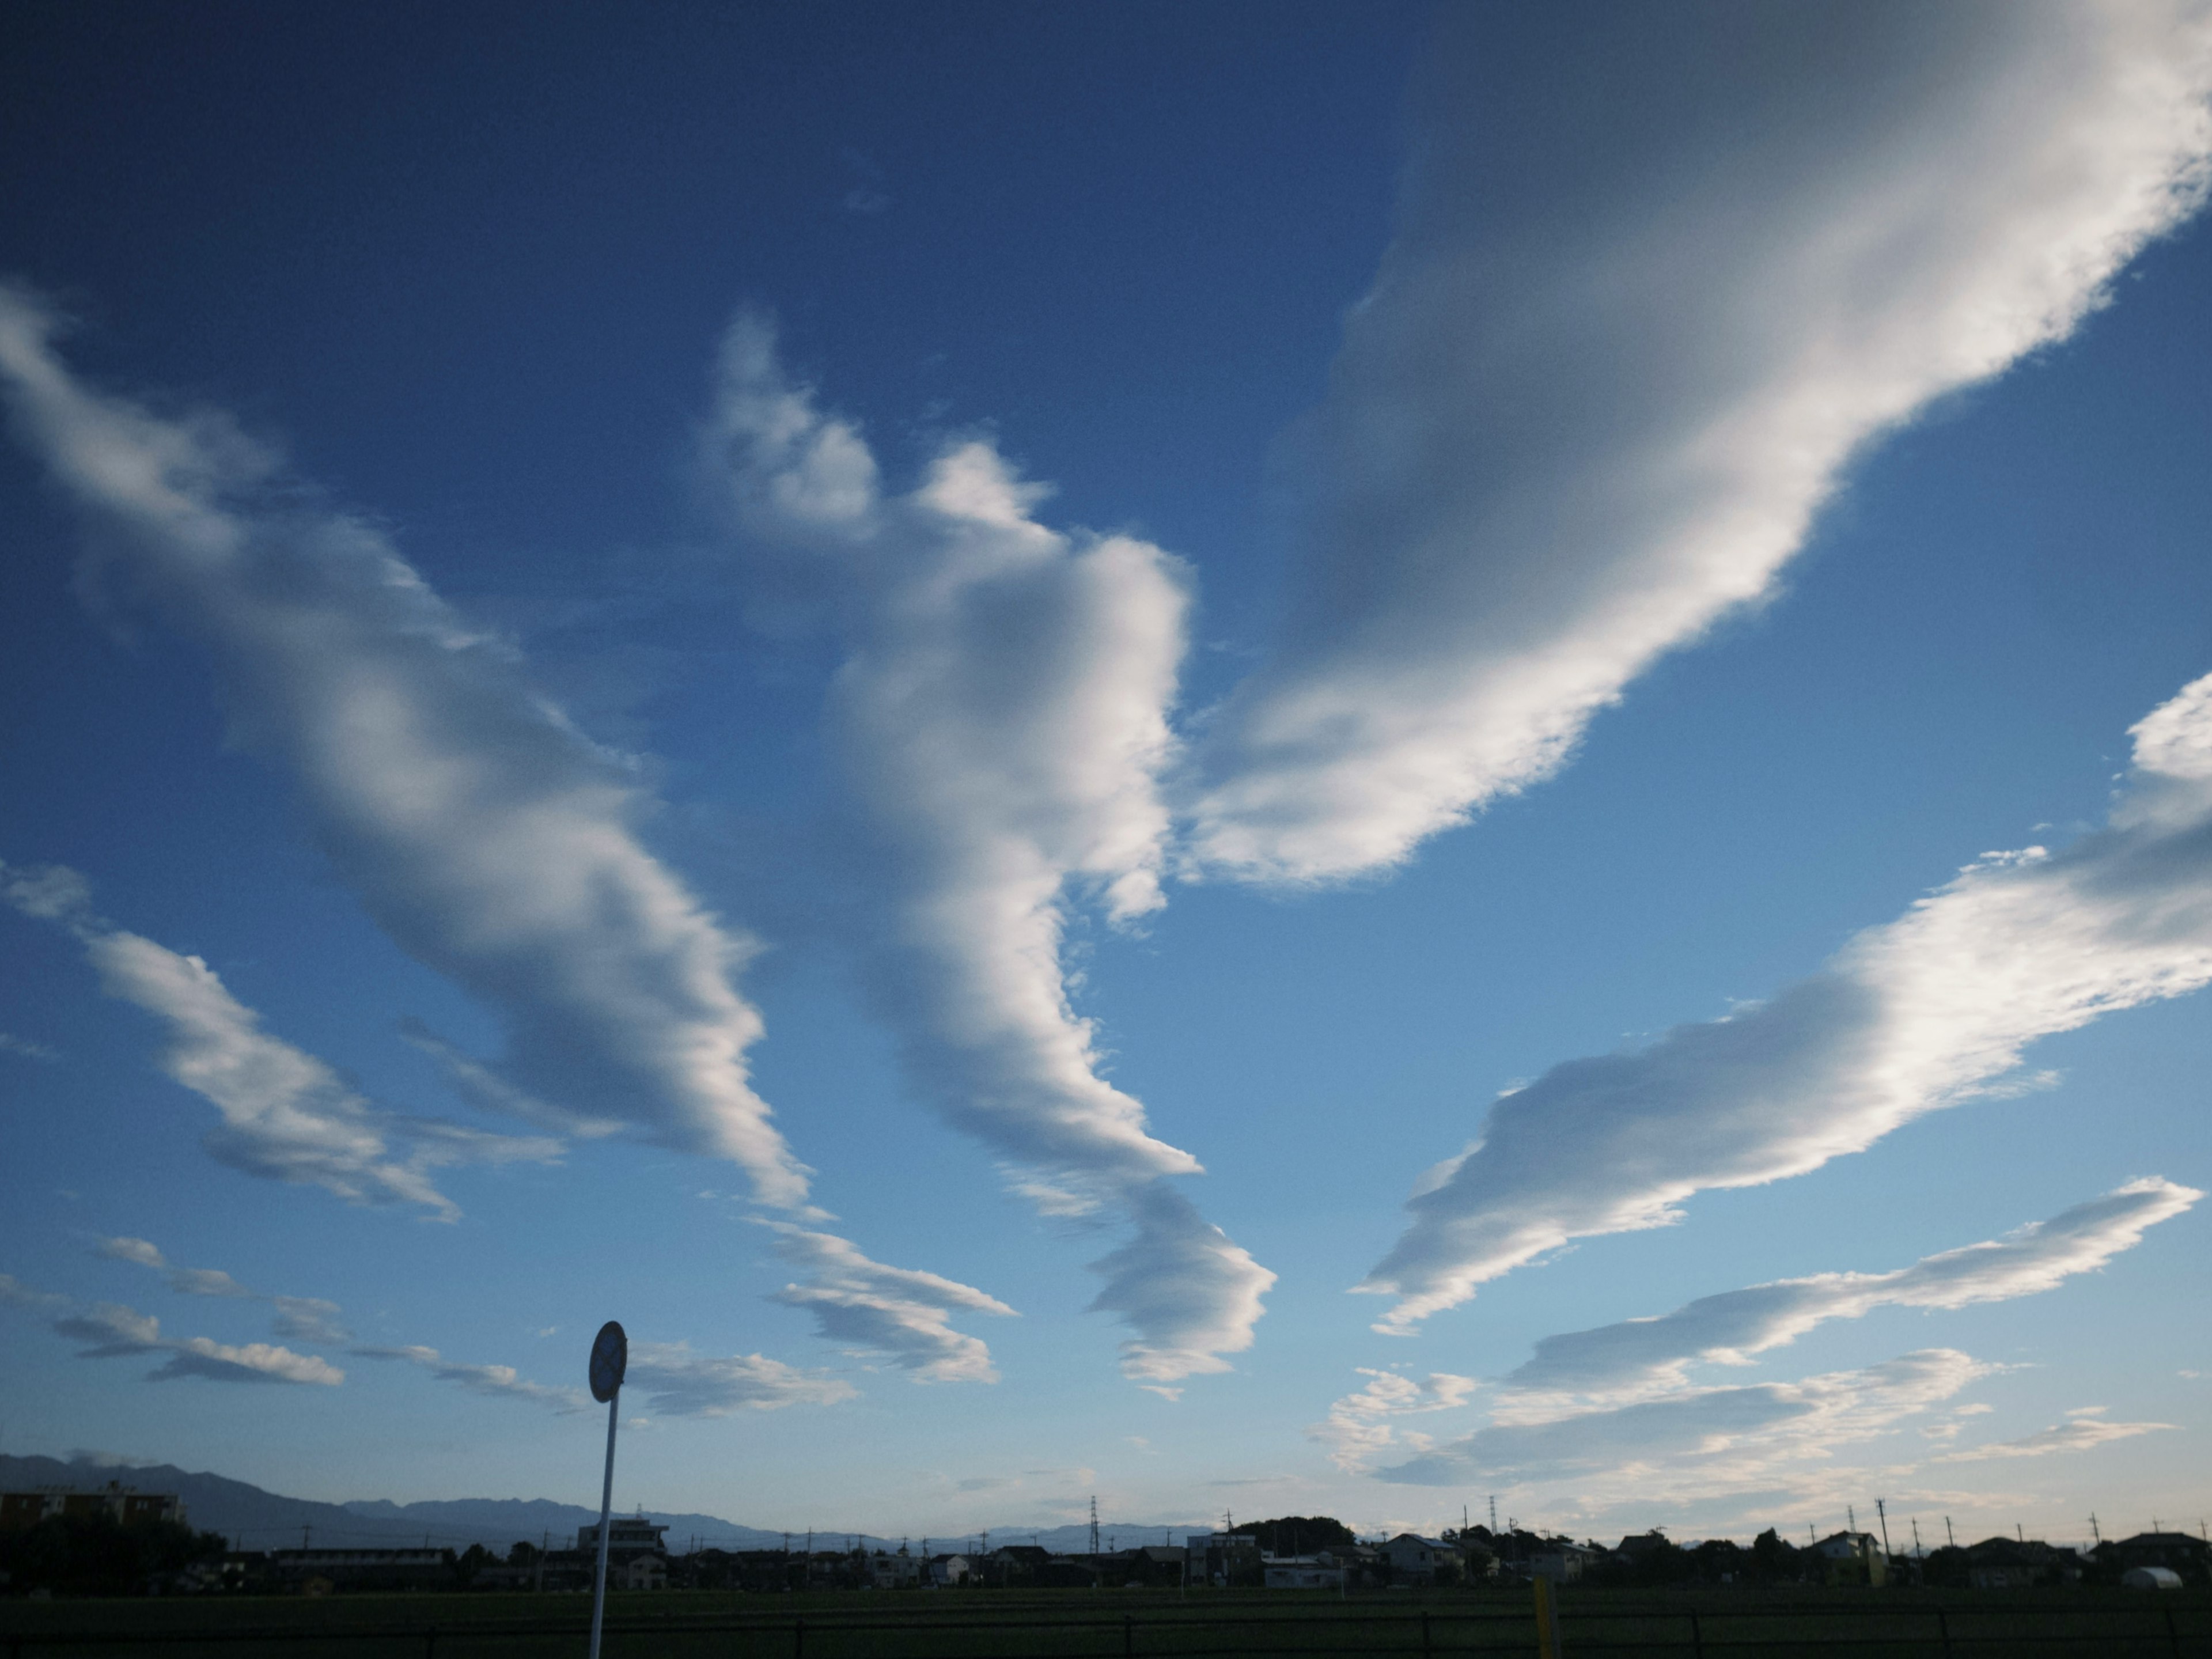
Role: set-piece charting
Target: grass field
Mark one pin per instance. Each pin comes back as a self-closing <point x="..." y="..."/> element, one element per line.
<point x="1739" y="1622"/>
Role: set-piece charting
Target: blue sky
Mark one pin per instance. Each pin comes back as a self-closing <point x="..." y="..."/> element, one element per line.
<point x="965" y="707"/>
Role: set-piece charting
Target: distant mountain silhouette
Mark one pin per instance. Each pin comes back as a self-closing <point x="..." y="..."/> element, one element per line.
<point x="256" y="1520"/>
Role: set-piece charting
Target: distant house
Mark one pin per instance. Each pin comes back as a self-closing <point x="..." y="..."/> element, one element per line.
<point x="1414" y="1559"/>
<point x="627" y="1536"/>
<point x="125" y="1503"/>
<point x="1852" y="1557"/>
<point x="2015" y="1563"/>
<point x="2188" y="1559"/>
<point x="1300" y="1572"/>
<point x="364" y="1568"/>
<point x="645" y="1570"/>
<point x="1561" y="1561"/>
<point x="2150" y="1579"/>
<point x="1222" y="1558"/>
<point x="886" y="1571"/>
<point x="946" y="1570"/>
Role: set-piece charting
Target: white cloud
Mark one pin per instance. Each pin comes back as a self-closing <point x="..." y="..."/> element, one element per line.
<point x="299" y="1318"/>
<point x="1362" y="1425"/>
<point x="285" y="1115"/>
<point x="113" y="1331"/>
<point x="486" y="835"/>
<point x="874" y="1308"/>
<point x="679" y="1383"/>
<point x="1659" y="276"/>
<point x="1701" y="1442"/>
<point x="500" y="1382"/>
<point x="1002" y="714"/>
<point x="1919" y="1014"/>
<point x="2083" y="1433"/>
<point x="1639" y="1354"/>
<point x="11" y="1045"/>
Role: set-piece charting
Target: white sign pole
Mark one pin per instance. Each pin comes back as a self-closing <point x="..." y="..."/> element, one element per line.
<point x="606" y="1506"/>
<point x="609" y="1360"/>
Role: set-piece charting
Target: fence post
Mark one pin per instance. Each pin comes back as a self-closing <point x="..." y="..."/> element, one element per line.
<point x="1128" y="1636"/>
<point x="430" y="1642"/>
<point x="799" y="1640"/>
<point x="1696" y="1636"/>
<point x="2173" y="1636"/>
<point x="1548" y="1619"/>
<point x="1424" y="1633"/>
<point x="1943" y="1629"/>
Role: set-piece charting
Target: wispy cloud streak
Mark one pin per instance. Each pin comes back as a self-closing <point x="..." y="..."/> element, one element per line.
<point x="1658" y="277"/>
<point x="897" y="1311"/>
<point x="1919" y="1014"/>
<point x="482" y="831"/>
<point x="1640" y="1354"/>
<point x="285" y="1115"/>
<point x="500" y="1382"/>
<point x="109" y="1330"/>
<point x="1002" y="713"/>
<point x="1702" y="1442"/>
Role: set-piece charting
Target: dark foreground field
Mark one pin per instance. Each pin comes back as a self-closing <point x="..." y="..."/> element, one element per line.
<point x="1739" y="1623"/>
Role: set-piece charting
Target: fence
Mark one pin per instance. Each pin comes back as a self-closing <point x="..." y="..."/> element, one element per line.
<point x="1881" y="1628"/>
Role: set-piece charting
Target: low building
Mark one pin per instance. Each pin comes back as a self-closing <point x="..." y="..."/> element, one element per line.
<point x="1852" y="1557"/>
<point x="2151" y="1579"/>
<point x="1561" y="1561"/>
<point x="946" y="1572"/>
<point x="627" y="1536"/>
<point x="125" y="1503"/>
<point x="1300" y="1572"/>
<point x="1222" y="1558"/>
<point x="2189" y="1559"/>
<point x="1414" y="1559"/>
<point x="365" y="1569"/>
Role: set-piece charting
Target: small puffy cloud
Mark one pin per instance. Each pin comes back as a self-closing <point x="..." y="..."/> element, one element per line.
<point x="111" y="1331"/>
<point x="299" y="1318"/>
<point x="680" y="1383"/>
<point x="309" y="1319"/>
<point x="12" y="1044"/>
<point x="131" y="1249"/>
<point x="1645" y="1353"/>
<point x="1362" y="1425"/>
<point x="1911" y="1016"/>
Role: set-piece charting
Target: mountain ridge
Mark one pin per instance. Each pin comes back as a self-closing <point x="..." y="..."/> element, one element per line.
<point x="253" y="1518"/>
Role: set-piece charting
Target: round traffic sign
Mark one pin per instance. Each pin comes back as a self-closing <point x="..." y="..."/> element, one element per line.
<point x="610" y="1359"/>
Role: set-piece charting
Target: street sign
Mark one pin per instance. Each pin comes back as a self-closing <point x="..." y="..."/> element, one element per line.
<point x="609" y="1360"/>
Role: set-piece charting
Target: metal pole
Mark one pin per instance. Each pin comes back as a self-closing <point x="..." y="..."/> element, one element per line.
<point x="606" y="1507"/>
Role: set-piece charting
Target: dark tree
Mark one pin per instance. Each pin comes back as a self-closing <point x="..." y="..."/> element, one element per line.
<point x="1298" y="1535"/>
<point x="98" y="1555"/>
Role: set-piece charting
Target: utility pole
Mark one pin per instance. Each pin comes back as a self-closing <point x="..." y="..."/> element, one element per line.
<point x="1851" y="1516"/>
<point x="1948" y="1534"/>
<point x="306" y="1532"/>
<point x="2094" y="1533"/>
<point x="1094" y="1526"/>
<point x="1493" y="1514"/>
<point x="1881" y="1509"/>
<point x="1918" y="1552"/>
